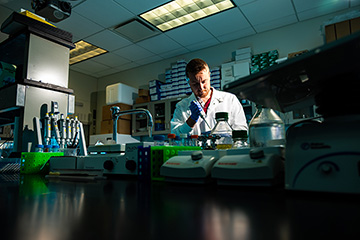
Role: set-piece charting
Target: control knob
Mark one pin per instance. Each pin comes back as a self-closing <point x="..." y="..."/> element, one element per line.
<point x="130" y="165"/>
<point x="109" y="165"/>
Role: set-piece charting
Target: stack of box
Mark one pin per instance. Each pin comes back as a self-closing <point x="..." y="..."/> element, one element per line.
<point x="263" y="61"/>
<point x="183" y="86"/>
<point x="175" y="83"/>
<point x="242" y="54"/>
<point x="168" y="76"/>
<point x="237" y="69"/>
<point x="233" y="71"/>
<point x="215" y="78"/>
<point x="173" y="92"/>
<point x="155" y="90"/>
<point x="123" y="124"/>
<point x="143" y="96"/>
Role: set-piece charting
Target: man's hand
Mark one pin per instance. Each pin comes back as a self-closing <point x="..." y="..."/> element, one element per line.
<point x="195" y="109"/>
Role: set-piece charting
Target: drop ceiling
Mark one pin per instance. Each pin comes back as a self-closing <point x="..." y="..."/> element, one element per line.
<point x="95" y="21"/>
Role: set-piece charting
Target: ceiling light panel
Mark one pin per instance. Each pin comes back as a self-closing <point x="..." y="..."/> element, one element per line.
<point x="83" y="51"/>
<point x="179" y="12"/>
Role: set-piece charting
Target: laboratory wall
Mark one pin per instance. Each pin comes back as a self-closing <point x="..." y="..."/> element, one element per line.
<point x="85" y="90"/>
<point x="296" y="37"/>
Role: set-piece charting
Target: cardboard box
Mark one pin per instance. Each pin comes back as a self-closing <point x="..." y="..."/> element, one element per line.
<point x="295" y="54"/>
<point x="341" y="29"/>
<point x="355" y="25"/>
<point x="143" y="99"/>
<point x="106" y="113"/>
<point x="123" y="126"/>
<point x="143" y="92"/>
<point x="330" y="34"/>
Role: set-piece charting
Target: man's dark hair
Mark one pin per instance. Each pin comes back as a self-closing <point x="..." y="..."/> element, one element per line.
<point x="194" y="66"/>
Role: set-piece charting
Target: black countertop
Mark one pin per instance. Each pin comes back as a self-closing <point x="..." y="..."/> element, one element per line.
<point x="33" y="207"/>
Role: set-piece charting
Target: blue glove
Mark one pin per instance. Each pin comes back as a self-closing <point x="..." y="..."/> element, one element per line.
<point x="195" y="109"/>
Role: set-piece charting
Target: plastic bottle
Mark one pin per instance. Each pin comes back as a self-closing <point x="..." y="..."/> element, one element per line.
<point x="47" y="148"/>
<point x="39" y="148"/>
<point x="222" y="131"/>
<point x="184" y="141"/>
<point x="194" y="140"/>
<point x="159" y="140"/>
<point x="266" y="128"/>
<point x="55" y="148"/>
<point x="177" y="141"/>
<point x="171" y="139"/>
<point x="240" y="139"/>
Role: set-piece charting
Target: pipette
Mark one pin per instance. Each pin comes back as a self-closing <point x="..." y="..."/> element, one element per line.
<point x="203" y="117"/>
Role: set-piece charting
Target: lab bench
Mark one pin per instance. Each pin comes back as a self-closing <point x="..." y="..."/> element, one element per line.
<point x="33" y="207"/>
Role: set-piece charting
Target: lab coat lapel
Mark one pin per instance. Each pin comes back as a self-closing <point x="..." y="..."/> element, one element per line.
<point x="216" y="99"/>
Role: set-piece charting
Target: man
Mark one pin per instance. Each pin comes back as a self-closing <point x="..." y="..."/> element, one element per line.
<point x="205" y="101"/>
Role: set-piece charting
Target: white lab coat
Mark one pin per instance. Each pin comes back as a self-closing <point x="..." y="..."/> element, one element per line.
<point x="220" y="102"/>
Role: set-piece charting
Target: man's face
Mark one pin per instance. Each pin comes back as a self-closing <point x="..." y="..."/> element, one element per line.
<point x="200" y="83"/>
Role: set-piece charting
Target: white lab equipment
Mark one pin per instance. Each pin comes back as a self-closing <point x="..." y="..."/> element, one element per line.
<point x="250" y="167"/>
<point x="191" y="166"/>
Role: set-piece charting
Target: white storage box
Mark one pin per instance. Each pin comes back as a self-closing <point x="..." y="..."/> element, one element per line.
<point x="243" y="50"/>
<point x="241" y="69"/>
<point x="120" y="93"/>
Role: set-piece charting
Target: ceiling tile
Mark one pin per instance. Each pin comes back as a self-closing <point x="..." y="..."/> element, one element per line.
<point x="17" y="5"/>
<point x="106" y="72"/>
<point x="133" y="52"/>
<point x="263" y="11"/>
<point x="226" y="22"/>
<point x="159" y="44"/>
<point x="127" y="66"/>
<point x="108" y="40"/>
<point x="174" y="52"/>
<point x="203" y="44"/>
<point x="79" y="26"/>
<point x="140" y="6"/>
<point x="90" y="66"/>
<point x="309" y="9"/>
<point x="115" y="13"/>
<point x="181" y="35"/>
<point x="236" y="35"/>
<point x="148" y="60"/>
<point x="305" y="5"/>
<point x="110" y="60"/>
<point x="275" y="23"/>
<point x="243" y="2"/>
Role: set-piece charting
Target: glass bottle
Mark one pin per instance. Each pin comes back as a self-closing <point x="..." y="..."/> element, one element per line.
<point x="184" y="141"/>
<point x="222" y="132"/>
<point x="177" y="141"/>
<point x="171" y="139"/>
<point x="240" y="139"/>
<point x="194" y="140"/>
<point x="266" y="128"/>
